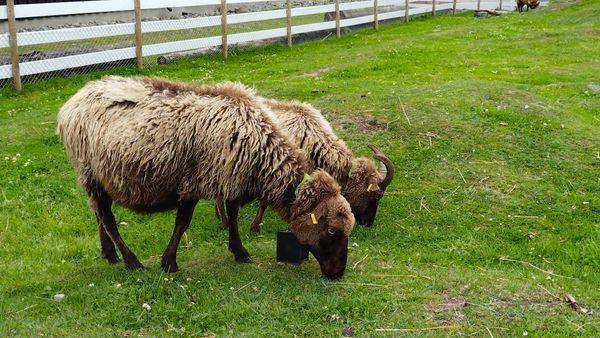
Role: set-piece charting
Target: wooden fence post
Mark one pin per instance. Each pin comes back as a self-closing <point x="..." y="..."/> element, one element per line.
<point x="337" y="18"/>
<point x="288" y="13"/>
<point x="375" y="14"/>
<point x="405" y="10"/>
<point x="224" y="28"/>
<point x="138" y="34"/>
<point x="453" y="7"/>
<point x="478" y="4"/>
<point x="12" y="41"/>
<point x="433" y="8"/>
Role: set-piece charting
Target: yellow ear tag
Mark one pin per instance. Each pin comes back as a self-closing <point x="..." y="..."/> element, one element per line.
<point x="369" y="187"/>
<point x="314" y="218"/>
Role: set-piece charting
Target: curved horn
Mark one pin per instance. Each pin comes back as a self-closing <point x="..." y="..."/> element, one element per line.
<point x="387" y="167"/>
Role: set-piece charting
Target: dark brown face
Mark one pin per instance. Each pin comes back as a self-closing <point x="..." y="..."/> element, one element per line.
<point x="364" y="208"/>
<point x="324" y="233"/>
<point x="331" y="253"/>
<point x="367" y="184"/>
<point x="533" y="4"/>
<point x="365" y="214"/>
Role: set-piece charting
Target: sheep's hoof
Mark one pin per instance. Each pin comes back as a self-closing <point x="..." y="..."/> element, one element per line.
<point x="169" y="267"/>
<point x="246" y="259"/>
<point x="135" y="265"/>
<point x="243" y="258"/>
<point x="255" y="228"/>
<point x="112" y="258"/>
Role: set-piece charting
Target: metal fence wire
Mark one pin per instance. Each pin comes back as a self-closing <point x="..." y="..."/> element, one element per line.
<point x="59" y="39"/>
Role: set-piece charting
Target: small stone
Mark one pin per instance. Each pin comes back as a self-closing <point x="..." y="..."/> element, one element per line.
<point x="594" y="87"/>
<point x="91" y="285"/>
<point x="314" y="91"/>
<point x="118" y="285"/>
<point x="146" y="307"/>
<point x="503" y="124"/>
<point x="348" y="332"/>
<point x="59" y="297"/>
<point x="526" y="106"/>
<point x="354" y="244"/>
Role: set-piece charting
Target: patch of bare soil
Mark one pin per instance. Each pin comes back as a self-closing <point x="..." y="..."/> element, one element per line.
<point x="316" y="72"/>
<point x="449" y="304"/>
<point x="363" y="122"/>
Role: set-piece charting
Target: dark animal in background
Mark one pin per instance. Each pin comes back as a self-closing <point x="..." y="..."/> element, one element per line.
<point x="363" y="185"/>
<point x="150" y="144"/>
<point x="527" y="3"/>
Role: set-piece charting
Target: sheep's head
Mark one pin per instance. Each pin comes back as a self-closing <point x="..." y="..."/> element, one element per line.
<point x="533" y="3"/>
<point x="322" y="221"/>
<point x="366" y="186"/>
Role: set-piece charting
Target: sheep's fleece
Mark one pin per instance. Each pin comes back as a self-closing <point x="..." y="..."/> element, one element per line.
<point x="147" y="140"/>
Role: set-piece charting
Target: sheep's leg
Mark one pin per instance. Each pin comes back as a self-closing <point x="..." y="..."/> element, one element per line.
<point x="102" y="203"/>
<point x="185" y="210"/>
<point x="255" y="226"/>
<point x="235" y="243"/>
<point x="107" y="247"/>
<point x="220" y="212"/>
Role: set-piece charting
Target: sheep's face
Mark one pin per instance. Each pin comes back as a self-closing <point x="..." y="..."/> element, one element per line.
<point x="533" y="3"/>
<point x="366" y="186"/>
<point x="363" y="191"/>
<point x="322" y="221"/>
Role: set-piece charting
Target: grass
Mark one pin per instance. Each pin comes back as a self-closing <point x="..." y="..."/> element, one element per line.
<point x="497" y="181"/>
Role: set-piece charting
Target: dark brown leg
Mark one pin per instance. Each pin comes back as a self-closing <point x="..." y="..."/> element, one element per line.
<point x="220" y="212"/>
<point x="185" y="210"/>
<point x="107" y="247"/>
<point x="255" y="226"/>
<point x="235" y="243"/>
<point x="103" y="203"/>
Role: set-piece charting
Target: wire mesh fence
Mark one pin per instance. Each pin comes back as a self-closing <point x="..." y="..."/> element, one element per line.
<point x="70" y="37"/>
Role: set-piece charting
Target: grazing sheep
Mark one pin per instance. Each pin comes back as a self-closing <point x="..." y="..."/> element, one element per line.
<point x="362" y="184"/>
<point x="150" y="144"/>
<point x="528" y="3"/>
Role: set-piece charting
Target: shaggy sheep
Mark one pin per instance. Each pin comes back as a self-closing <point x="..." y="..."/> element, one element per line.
<point x="527" y="3"/>
<point x="150" y="145"/>
<point x="362" y="184"/>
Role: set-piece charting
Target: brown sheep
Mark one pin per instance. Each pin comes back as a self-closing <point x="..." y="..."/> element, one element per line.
<point x="527" y="3"/>
<point x="150" y="144"/>
<point x="362" y="184"/>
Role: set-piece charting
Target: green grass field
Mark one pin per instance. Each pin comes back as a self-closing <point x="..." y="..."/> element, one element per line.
<point x="494" y="214"/>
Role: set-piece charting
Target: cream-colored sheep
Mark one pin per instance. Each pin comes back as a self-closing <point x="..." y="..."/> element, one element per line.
<point x="150" y="144"/>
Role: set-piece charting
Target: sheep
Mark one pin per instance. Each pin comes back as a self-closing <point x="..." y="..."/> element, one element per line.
<point x="151" y="145"/>
<point x="362" y="184"/>
<point x="527" y="3"/>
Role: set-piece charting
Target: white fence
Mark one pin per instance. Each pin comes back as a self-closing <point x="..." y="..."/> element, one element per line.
<point x="375" y="11"/>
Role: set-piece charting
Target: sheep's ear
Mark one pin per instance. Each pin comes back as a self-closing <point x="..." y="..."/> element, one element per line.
<point x="324" y="183"/>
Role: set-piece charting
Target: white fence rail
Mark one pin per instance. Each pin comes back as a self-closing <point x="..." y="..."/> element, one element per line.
<point x="35" y="38"/>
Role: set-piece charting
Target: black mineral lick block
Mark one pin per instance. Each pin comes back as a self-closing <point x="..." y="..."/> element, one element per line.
<point x="289" y="249"/>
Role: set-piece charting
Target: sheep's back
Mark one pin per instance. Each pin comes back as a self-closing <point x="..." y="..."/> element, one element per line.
<point x="309" y="131"/>
<point x="146" y="145"/>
